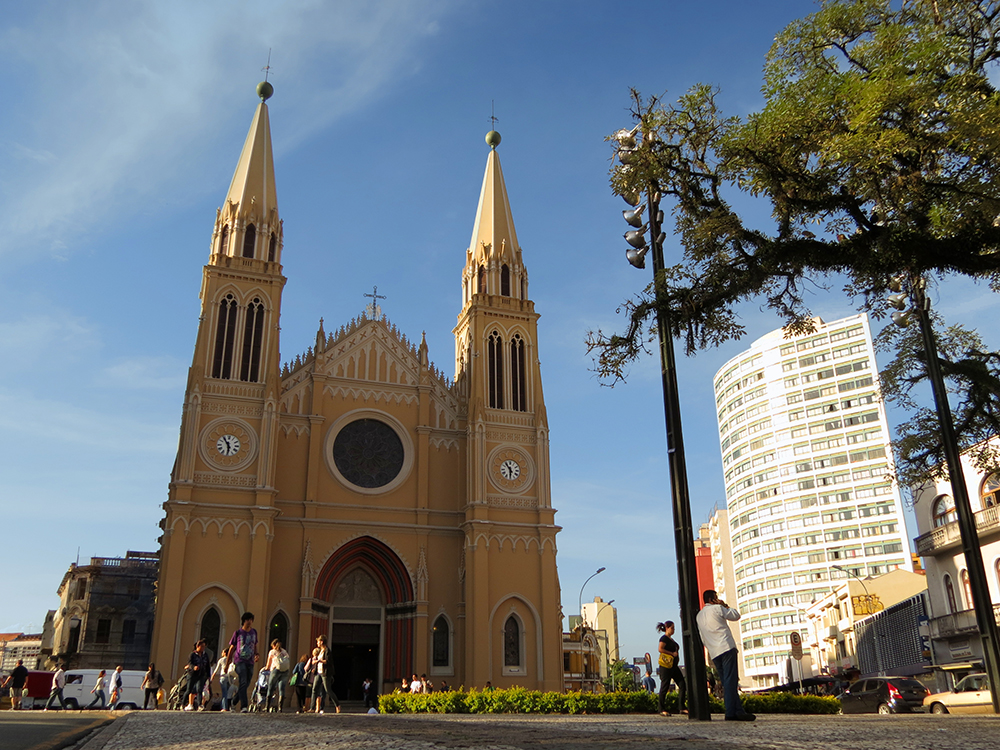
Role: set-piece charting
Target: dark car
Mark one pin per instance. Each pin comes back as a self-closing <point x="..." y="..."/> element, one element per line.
<point x="884" y="695"/>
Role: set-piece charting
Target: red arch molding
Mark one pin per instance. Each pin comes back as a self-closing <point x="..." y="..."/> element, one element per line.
<point x="386" y="567"/>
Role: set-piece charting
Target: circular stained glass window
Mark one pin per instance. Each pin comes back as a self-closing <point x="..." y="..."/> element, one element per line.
<point x="368" y="453"/>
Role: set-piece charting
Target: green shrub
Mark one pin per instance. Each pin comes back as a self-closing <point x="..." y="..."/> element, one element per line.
<point x="518" y="700"/>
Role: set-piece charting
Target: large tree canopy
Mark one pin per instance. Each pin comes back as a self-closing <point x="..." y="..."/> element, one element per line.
<point x="878" y="150"/>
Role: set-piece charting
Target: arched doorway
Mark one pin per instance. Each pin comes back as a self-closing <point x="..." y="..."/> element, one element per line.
<point x="368" y="616"/>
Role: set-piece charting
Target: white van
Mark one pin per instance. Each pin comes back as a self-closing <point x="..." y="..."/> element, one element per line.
<point x="79" y="683"/>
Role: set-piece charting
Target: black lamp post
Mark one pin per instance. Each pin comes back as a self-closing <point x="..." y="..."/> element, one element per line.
<point x="687" y="575"/>
<point x="913" y="289"/>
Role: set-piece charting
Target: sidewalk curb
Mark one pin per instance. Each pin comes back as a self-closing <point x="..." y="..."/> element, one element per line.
<point x="100" y="736"/>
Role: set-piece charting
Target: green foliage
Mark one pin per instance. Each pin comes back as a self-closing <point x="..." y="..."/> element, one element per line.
<point x="620" y="678"/>
<point x="877" y="150"/>
<point x="520" y="701"/>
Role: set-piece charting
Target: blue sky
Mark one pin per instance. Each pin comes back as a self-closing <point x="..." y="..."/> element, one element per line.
<point x="123" y="123"/>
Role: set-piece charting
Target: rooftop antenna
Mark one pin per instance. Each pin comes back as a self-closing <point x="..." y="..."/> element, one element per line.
<point x="373" y="310"/>
<point x="493" y="117"/>
<point x="78" y="557"/>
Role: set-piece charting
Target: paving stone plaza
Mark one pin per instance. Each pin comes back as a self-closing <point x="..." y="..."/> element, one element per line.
<point x="163" y="729"/>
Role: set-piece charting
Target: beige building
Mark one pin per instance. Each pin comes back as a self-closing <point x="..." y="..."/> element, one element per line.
<point x="355" y="491"/>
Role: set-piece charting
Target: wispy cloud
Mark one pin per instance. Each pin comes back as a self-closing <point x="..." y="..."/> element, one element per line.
<point x="115" y="97"/>
<point x="145" y="373"/>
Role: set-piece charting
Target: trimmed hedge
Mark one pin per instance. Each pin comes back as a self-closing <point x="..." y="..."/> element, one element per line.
<point x="520" y="701"/>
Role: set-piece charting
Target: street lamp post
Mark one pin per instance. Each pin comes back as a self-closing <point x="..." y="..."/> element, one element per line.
<point x="583" y="628"/>
<point x="913" y="288"/>
<point x="687" y="574"/>
<point x="607" y="643"/>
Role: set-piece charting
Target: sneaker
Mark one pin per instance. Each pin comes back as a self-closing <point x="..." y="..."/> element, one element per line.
<point x="320" y="712"/>
<point x="189" y="707"/>
<point x="244" y="710"/>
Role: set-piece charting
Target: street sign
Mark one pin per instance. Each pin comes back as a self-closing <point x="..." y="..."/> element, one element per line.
<point x="796" y="641"/>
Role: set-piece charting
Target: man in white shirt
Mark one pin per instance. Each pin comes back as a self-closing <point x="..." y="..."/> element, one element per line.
<point x="58" y="683"/>
<point x="713" y="624"/>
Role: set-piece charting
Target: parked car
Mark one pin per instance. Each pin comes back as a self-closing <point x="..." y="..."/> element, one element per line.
<point x="883" y="695"/>
<point x="971" y="695"/>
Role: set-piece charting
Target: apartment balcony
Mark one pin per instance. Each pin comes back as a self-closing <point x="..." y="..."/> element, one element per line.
<point x="947" y="538"/>
<point x="960" y="623"/>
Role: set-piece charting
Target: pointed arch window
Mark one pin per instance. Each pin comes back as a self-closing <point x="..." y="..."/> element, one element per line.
<point x="211" y="627"/>
<point x="249" y="241"/>
<point x="253" y="332"/>
<point x="518" y="375"/>
<point x="949" y="595"/>
<point x="494" y="349"/>
<point x="524" y="286"/>
<point x="505" y="280"/>
<point x="512" y="643"/>
<point x="481" y="280"/>
<point x="278" y="629"/>
<point x="224" y="240"/>
<point x="225" y="334"/>
<point x="966" y="588"/>
<point x="441" y="656"/>
<point x="272" y="248"/>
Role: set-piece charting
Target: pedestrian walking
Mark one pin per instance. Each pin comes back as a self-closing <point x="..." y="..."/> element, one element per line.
<point x="116" y="687"/>
<point x="713" y="624"/>
<point x="221" y="671"/>
<point x="243" y="653"/>
<point x="669" y="668"/>
<point x="279" y="664"/>
<point x="648" y="683"/>
<point x="300" y="681"/>
<point x="15" y="681"/>
<point x="368" y="692"/>
<point x="199" y="671"/>
<point x="98" y="692"/>
<point x="58" y="683"/>
<point x="323" y="683"/>
<point x="152" y="681"/>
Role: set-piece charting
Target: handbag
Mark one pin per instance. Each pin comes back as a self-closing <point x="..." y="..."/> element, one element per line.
<point x="282" y="662"/>
<point x="666" y="661"/>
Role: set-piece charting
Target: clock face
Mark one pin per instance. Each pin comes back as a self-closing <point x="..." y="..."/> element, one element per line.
<point x="509" y="469"/>
<point x="228" y="445"/>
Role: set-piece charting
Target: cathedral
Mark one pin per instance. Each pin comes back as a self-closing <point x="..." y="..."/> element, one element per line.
<point x="354" y="491"/>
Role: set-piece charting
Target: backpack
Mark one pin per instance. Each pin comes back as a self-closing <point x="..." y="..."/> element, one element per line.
<point x="159" y="679"/>
<point x="283" y="662"/>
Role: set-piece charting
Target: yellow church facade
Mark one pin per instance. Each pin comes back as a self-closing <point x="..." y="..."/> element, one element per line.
<point x="355" y="491"/>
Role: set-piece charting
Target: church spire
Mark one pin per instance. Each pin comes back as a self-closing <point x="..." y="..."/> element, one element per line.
<point x="493" y="259"/>
<point x="248" y="224"/>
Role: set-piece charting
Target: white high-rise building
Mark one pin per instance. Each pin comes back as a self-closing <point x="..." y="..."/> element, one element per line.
<point x="805" y="449"/>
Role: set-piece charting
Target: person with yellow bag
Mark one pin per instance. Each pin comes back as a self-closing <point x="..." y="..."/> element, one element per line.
<point x="669" y="668"/>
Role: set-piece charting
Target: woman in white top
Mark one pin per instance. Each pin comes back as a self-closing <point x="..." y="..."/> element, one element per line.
<point x="279" y="663"/>
<point x="221" y="671"/>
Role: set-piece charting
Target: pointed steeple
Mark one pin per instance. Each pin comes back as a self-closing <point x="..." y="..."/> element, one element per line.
<point x="493" y="234"/>
<point x="493" y="260"/>
<point x="248" y="224"/>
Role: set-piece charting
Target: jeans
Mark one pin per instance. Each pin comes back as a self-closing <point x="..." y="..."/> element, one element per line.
<point x="56" y="693"/>
<point x="666" y="675"/>
<point x="98" y="698"/>
<point x="245" y="671"/>
<point x="729" y="674"/>
<point x="150" y="693"/>
<point x="224" y="684"/>
<point x="276" y="680"/>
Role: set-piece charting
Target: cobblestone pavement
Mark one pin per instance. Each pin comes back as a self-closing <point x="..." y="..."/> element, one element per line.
<point x="160" y="729"/>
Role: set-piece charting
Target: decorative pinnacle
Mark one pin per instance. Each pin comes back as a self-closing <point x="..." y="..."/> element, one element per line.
<point x="493" y="139"/>
<point x="264" y="90"/>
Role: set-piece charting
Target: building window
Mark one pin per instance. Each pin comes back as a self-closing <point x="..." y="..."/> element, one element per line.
<point x="249" y="241"/>
<point x="494" y="349"/>
<point x="518" y="373"/>
<point x="442" y="641"/>
<point x="224" y="240"/>
<point x="103" y="632"/>
<point x="481" y="281"/>
<point x="272" y="248"/>
<point x="225" y="334"/>
<point x="253" y="332"/>
<point x="278" y="629"/>
<point x="128" y="632"/>
<point x="81" y="588"/>
<point x="966" y="588"/>
<point x="512" y="643"/>
<point x="990" y="492"/>
<point x="949" y="595"/>
<point x="505" y="280"/>
<point x="211" y="625"/>
<point x="943" y="511"/>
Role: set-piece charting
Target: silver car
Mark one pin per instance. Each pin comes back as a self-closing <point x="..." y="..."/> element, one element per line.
<point x="971" y="695"/>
